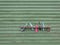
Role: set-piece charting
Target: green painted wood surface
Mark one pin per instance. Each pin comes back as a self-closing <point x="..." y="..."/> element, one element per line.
<point x="14" y="13"/>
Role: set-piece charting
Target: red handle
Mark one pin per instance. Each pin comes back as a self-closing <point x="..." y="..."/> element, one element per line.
<point x="36" y="28"/>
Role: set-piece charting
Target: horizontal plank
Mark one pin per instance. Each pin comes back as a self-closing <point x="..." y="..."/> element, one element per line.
<point x="29" y="3"/>
<point x="30" y="0"/>
<point x="38" y="18"/>
<point x="25" y="24"/>
<point x="32" y="21"/>
<point x="30" y="44"/>
<point x="30" y="12"/>
<point x="16" y="32"/>
<point x="29" y="9"/>
<point x="30" y="35"/>
<point x="31" y="40"/>
<point x="56" y="30"/>
<point x="36" y="37"/>
<point x="30" y="17"/>
<point x="32" y="32"/>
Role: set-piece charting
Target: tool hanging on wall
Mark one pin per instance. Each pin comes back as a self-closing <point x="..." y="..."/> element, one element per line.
<point x="42" y="24"/>
<point x="23" y="29"/>
<point x="29" y="25"/>
<point x="36" y="28"/>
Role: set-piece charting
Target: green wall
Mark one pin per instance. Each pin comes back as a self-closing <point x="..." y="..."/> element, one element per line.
<point x="14" y="13"/>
